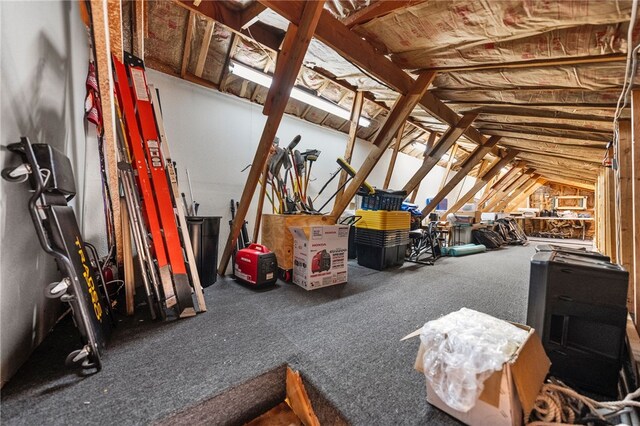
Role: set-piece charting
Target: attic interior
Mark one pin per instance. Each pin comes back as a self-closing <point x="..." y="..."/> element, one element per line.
<point x="248" y="211"/>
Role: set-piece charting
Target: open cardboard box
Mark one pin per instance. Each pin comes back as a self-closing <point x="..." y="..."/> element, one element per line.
<point x="507" y="393"/>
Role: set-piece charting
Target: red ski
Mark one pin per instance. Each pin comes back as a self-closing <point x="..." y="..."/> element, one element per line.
<point x="161" y="190"/>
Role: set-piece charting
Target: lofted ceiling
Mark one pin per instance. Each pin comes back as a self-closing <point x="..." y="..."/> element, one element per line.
<point x="544" y="75"/>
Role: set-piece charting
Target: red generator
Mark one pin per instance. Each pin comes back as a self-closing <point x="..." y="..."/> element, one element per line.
<point x="256" y="265"/>
<point x="321" y="262"/>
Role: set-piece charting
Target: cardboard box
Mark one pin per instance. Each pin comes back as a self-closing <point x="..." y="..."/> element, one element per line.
<point x="509" y="394"/>
<point x="320" y="255"/>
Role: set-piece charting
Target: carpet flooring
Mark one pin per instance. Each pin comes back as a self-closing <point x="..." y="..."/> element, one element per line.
<point x="345" y="341"/>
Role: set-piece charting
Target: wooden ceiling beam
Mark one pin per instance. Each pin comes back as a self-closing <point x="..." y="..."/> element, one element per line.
<point x="506" y="179"/>
<point x="376" y="10"/>
<point x="609" y="106"/>
<point x="523" y="111"/>
<point x="358" y="51"/>
<point x="204" y="48"/>
<point x="592" y="155"/>
<point x="474" y="159"/>
<point x="566" y="134"/>
<point x="297" y="40"/>
<point x="564" y="172"/>
<point x="499" y="196"/>
<point x="567" y="140"/>
<point x="482" y="180"/>
<point x="502" y="204"/>
<point x="533" y="187"/>
<point x="249" y="15"/>
<point x="553" y="126"/>
<point x="394" y="155"/>
<point x="397" y="116"/>
<point x="233" y="20"/>
<point x="439" y="149"/>
<point x="186" y="49"/>
<point x="560" y="162"/>
<point x="577" y="183"/>
<point x="354" y="118"/>
<point x="538" y="63"/>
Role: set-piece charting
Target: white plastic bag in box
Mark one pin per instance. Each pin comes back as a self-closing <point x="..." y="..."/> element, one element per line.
<point x="463" y="349"/>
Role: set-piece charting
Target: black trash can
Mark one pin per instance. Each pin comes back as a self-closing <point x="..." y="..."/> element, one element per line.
<point x="204" y="231"/>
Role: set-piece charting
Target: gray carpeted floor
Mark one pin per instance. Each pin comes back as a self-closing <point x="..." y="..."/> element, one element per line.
<point x="344" y="339"/>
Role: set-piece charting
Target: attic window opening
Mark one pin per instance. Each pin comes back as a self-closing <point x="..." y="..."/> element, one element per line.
<point x="265" y="80"/>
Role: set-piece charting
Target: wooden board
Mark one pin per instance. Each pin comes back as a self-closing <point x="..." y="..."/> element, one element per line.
<point x="280" y="415"/>
<point x="298" y="399"/>
<point x="276" y="235"/>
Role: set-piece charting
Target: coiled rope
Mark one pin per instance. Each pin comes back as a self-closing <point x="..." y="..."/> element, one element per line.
<point x="558" y="404"/>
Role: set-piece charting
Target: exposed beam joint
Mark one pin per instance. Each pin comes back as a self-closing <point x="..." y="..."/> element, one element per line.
<point x="297" y="41"/>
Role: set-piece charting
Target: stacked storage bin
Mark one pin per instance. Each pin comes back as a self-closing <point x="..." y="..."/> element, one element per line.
<point x="382" y="235"/>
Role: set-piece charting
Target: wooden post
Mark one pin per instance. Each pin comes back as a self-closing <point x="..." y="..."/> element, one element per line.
<point x="476" y="157"/>
<point x="289" y="62"/>
<point x="625" y="217"/>
<point x="356" y="111"/>
<point x="610" y="214"/>
<point x="397" y="116"/>
<point x="430" y="143"/>
<point x="524" y="186"/>
<point x="186" y="49"/>
<point x="452" y="159"/>
<point x="635" y="200"/>
<point x="483" y="180"/>
<point x="533" y="187"/>
<point x="446" y="141"/>
<point x="506" y="179"/>
<point x="100" y="16"/>
<point x="394" y="155"/>
<point x="138" y="29"/>
<point x="501" y="195"/>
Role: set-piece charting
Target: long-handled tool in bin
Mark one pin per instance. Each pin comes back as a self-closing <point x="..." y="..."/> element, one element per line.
<point x="351" y="172"/>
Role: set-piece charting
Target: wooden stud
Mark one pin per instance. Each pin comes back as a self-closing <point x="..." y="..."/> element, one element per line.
<point x="501" y="195"/>
<point x="506" y="179"/>
<point x="394" y="155"/>
<point x="526" y="194"/>
<point x="446" y="141"/>
<point x="450" y="161"/>
<point x="204" y="48"/>
<point x="138" y="29"/>
<point x="224" y="72"/>
<point x="502" y="204"/>
<point x="297" y="39"/>
<point x="430" y="143"/>
<point x="114" y="11"/>
<point x="101" y="34"/>
<point x="397" y="116"/>
<point x="129" y="272"/>
<point x="476" y="157"/>
<point x="483" y="179"/>
<point x="635" y="200"/>
<point x="186" y="50"/>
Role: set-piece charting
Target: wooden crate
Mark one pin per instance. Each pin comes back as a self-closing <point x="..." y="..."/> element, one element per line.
<point x="276" y="235"/>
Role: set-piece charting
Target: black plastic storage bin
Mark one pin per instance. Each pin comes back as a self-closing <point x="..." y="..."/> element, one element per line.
<point x="383" y="200"/>
<point x="373" y="237"/>
<point x="204" y="231"/>
<point x="381" y="257"/>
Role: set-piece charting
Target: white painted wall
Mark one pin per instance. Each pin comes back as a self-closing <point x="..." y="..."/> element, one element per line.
<point x="43" y="66"/>
<point x="214" y="135"/>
